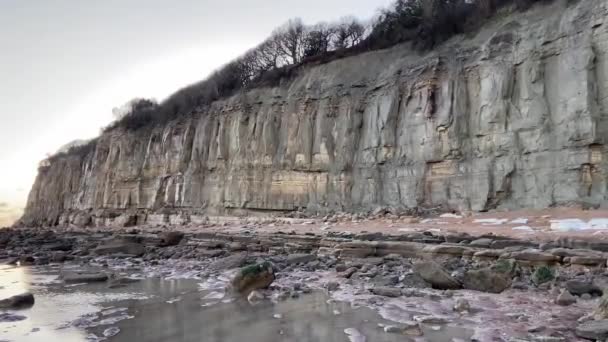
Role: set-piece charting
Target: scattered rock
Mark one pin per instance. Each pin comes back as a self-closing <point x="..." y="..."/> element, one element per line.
<point x="436" y="275"/>
<point x="392" y="292"/>
<point x="348" y="273"/>
<point x="300" y="258"/>
<point x="20" y="301"/>
<point x="332" y="286"/>
<point x="253" y="277"/>
<point x="565" y="298"/>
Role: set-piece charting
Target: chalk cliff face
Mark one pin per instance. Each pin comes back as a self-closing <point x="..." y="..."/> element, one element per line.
<point x="513" y="116"/>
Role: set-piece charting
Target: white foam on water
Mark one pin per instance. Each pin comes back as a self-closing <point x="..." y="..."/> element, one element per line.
<point x="354" y="335"/>
<point x="573" y="225"/>
<point x="599" y="223"/>
<point x="521" y="220"/>
<point x="523" y="228"/>
<point x="450" y="216"/>
<point x="214" y="295"/>
<point x="174" y="300"/>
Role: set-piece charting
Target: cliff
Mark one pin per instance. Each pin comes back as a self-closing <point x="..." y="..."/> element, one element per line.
<point x="513" y="116"/>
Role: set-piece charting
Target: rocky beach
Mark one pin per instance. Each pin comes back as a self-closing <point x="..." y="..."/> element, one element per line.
<point x="405" y="279"/>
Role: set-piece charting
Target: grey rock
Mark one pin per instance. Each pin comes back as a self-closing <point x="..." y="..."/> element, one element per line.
<point x="19" y="301"/>
<point x="299" y="258"/>
<point x="565" y="298"/>
<point x="436" y="275"/>
<point x="593" y="330"/>
<point x="580" y="287"/>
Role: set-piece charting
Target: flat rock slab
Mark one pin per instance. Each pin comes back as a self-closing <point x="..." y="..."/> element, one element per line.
<point x="84" y="277"/>
<point x="593" y="330"/>
<point x="300" y="258"/>
<point x="120" y="247"/>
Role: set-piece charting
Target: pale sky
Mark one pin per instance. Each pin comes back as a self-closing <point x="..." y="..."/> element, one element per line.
<point x="64" y="64"/>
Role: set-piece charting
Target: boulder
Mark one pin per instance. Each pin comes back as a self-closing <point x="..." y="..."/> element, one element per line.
<point x="593" y="330"/>
<point x="253" y="277"/>
<point x="486" y="280"/>
<point x="579" y="288"/>
<point x="171" y="238"/>
<point x="565" y="298"/>
<point x="436" y="275"/>
<point x="20" y="301"/>
<point x="120" y="247"/>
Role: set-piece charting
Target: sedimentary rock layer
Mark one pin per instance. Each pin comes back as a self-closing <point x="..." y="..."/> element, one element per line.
<point x="513" y="116"/>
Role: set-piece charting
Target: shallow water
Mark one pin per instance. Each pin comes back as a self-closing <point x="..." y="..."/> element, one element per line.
<point x="184" y="310"/>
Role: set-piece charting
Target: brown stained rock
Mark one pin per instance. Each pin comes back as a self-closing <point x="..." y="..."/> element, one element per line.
<point x="534" y="256"/>
<point x="486" y="280"/>
<point x="565" y="298"/>
<point x="172" y="238"/>
<point x="348" y="273"/>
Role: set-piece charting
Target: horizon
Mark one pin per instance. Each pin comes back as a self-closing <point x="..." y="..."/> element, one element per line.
<point x="100" y="59"/>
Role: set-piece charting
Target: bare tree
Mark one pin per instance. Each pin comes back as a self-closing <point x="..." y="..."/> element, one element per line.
<point x="317" y="39"/>
<point x="348" y="33"/>
<point x="290" y="40"/>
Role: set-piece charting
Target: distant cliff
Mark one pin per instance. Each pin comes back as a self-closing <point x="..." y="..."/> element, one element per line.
<point x="513" y="116"/>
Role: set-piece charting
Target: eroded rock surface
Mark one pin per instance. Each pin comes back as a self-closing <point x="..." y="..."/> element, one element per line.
<point x="515" y="116"/>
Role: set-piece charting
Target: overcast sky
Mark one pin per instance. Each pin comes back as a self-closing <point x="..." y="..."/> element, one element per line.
<point x="64" y="64"/>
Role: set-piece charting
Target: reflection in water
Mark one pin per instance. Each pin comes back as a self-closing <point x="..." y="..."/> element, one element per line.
<point x="176" y="310"/>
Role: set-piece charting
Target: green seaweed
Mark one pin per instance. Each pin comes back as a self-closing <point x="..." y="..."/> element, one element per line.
<point x="542" y="275"/>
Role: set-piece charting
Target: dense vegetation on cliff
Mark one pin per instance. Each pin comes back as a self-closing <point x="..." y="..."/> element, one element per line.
<point x="423" y="23"/>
